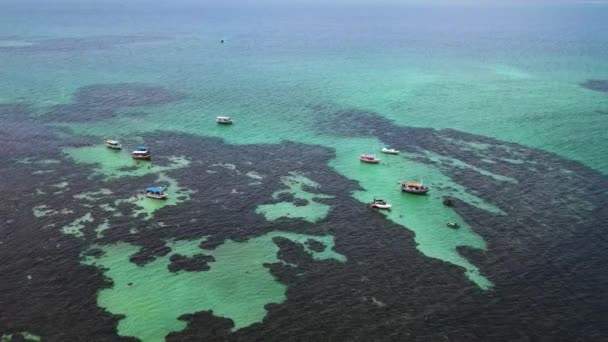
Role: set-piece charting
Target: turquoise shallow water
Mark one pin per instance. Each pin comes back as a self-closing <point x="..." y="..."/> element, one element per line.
<point x="512" y="74"/>
<point x="414" y="72"/>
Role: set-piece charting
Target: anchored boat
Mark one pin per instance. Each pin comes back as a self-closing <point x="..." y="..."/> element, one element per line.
<point x="453" y="225"/>
<point x="414" y="188"/>
<point x="141" y="153"/>
<point x="369" y="158"/>
<point x="113" y="144"/>
<point x="389" y="150"/>
<point x="156" y="192"/>
<point x="380" y="204"/>
<point x="224" y="120"/>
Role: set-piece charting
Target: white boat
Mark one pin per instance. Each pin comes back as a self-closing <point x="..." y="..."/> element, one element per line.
<point x="389" y="150"/>
<point x="156" y="192"/>
<point x="369" y="158"/>
<point x="380" y="204"/>
<point x="113" y="144"/>
<point x="224" y="120"/>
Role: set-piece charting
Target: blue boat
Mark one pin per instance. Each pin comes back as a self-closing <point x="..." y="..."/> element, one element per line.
<point x="141" y="152"/>
<point x="156" y="192"/>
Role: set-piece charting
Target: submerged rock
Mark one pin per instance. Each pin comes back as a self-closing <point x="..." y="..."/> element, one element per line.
<point x="195" y="263"/>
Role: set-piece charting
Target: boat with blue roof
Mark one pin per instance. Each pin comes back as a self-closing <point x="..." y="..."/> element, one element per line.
<point x="141" y="153"/>
<point x="156" y="192"/>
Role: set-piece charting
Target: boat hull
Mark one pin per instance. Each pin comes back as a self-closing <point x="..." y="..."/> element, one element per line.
<point x="389" y="151"/>
<point x="146" y="157"/>
<point x="415" y="192"/>
<point x="158" y="197"/>
<point x="381" y="206"/>
<point x="113" y="144"/>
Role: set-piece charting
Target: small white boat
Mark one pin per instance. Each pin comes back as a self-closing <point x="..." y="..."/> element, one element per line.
<point x="453" y="225"/>
<point x="156" y="192"/>
<point x="224" y="120"/>
<point x="113" y="144"/>
<point x="414" y="188"/>
<point x="141" y="152"/>
<point x="380" y="204"/>
<point x="389" y="150"/>
<point x="369" y="158"/>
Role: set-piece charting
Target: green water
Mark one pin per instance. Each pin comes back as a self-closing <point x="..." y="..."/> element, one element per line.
<point x="147" y="206"/>
<point x="118" y="163"/>
<point x="237" y="286"/>
<point x="75" y="228"/>
<point x="312" y="212"/>
<point x="112" y="164"/>
<point x="424" y="215"/>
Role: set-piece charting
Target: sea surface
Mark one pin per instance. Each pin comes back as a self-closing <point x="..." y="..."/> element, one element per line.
<point x="267" y="234"/>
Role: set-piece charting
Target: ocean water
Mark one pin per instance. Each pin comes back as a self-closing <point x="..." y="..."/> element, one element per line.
<point x="266" y="232"/>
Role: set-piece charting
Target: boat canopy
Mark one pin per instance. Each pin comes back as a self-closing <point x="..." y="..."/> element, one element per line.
<point x="158" y="189"/>
<point x="141" y="148"/>
<point x="223" y="118"/>
<point x="411" y="184"/>
<point x="113" y="142"/>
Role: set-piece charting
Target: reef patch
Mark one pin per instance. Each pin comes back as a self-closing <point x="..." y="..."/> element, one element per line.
<point x="232" y="280"/>
<point x="597" y="85"/>
<point x="105" y="101"/>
